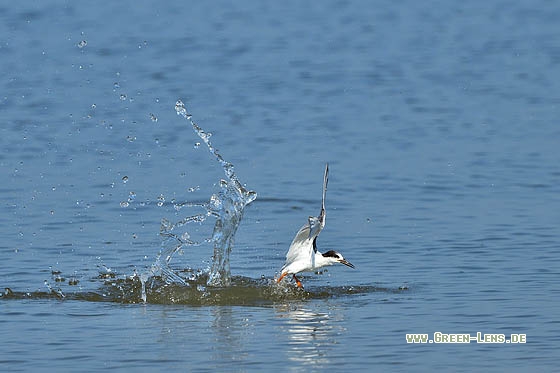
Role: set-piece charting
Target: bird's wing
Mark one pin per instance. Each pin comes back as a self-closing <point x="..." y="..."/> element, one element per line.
<point x="314" y="227"/>
<point x="323" y="213"/>
<point x="303" y="244"/>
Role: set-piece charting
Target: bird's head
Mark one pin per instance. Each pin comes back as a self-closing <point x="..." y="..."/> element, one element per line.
<point x="336" y="257"/>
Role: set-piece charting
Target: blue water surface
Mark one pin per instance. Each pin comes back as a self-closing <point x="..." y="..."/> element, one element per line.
<point x="439" y="121"/>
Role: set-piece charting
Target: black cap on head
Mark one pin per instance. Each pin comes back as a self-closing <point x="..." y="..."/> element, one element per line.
<point x="331" y="254"/>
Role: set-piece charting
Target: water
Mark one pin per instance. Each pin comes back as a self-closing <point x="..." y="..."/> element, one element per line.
<point x="439" y="123"/>
<point x="227" y="207"/>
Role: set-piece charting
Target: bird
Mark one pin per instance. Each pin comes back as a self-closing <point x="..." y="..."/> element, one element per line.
<point x="303" y="255"/>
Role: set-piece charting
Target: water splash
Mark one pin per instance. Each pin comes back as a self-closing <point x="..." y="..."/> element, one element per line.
<point x="245" y="291"/>
<point x="226" y="206"/>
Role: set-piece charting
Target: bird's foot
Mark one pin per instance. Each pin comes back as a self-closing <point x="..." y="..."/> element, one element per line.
<point x="298" y="282"/>
<point x="281" y="277"/>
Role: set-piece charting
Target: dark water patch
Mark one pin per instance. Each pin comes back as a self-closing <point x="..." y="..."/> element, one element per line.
<point x="244" y="291"/>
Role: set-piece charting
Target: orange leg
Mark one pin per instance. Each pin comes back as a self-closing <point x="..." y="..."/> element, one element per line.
<point x="281" y="277"/>
<point x="298" y="282"/>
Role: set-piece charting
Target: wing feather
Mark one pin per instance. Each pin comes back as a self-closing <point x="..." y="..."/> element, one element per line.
<point x="303" y="245"/>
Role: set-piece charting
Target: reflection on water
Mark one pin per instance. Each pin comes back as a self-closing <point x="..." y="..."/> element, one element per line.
<point x="311" y="334"/>
<point x="229" y="334"/>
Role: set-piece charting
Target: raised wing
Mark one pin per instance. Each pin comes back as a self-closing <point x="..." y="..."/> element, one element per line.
<point x="301" y="247"/>
<point x="303" y="244"/>
<point x="323" y="213"/>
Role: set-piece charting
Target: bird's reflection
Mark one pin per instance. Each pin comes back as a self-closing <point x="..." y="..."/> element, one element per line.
<point x="311" y="335"/>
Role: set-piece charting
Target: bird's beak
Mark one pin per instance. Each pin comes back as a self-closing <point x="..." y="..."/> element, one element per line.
<point x="346" y="263"/>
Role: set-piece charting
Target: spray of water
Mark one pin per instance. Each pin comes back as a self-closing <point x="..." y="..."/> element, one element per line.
<point x="226" y="206"/>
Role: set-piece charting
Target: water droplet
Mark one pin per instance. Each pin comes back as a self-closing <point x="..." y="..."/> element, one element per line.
<point x="82" y="44"/>
<point x="179" y="106"/>
<point x="131" y="196"/>
<point x="250" y="196"/>
<point x="52" y="212"/>
<point x="161" y="200"/>
<point x="124" y="204"/>
<point x="196" y="145"/>
<point x="125" y="179"/>
<point x="153" y="117"/>
<point x="93" y="106"/>
<point x="215" y="203"/>
<point x="166" y="225"/>
<point x="181" y="109"/>
<point x="205" y="135"/>
<point x="53" y="188"/>
<point x="116" y="85"/>
<point x="122" y="97"/>
<point x="131" y="138"/>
